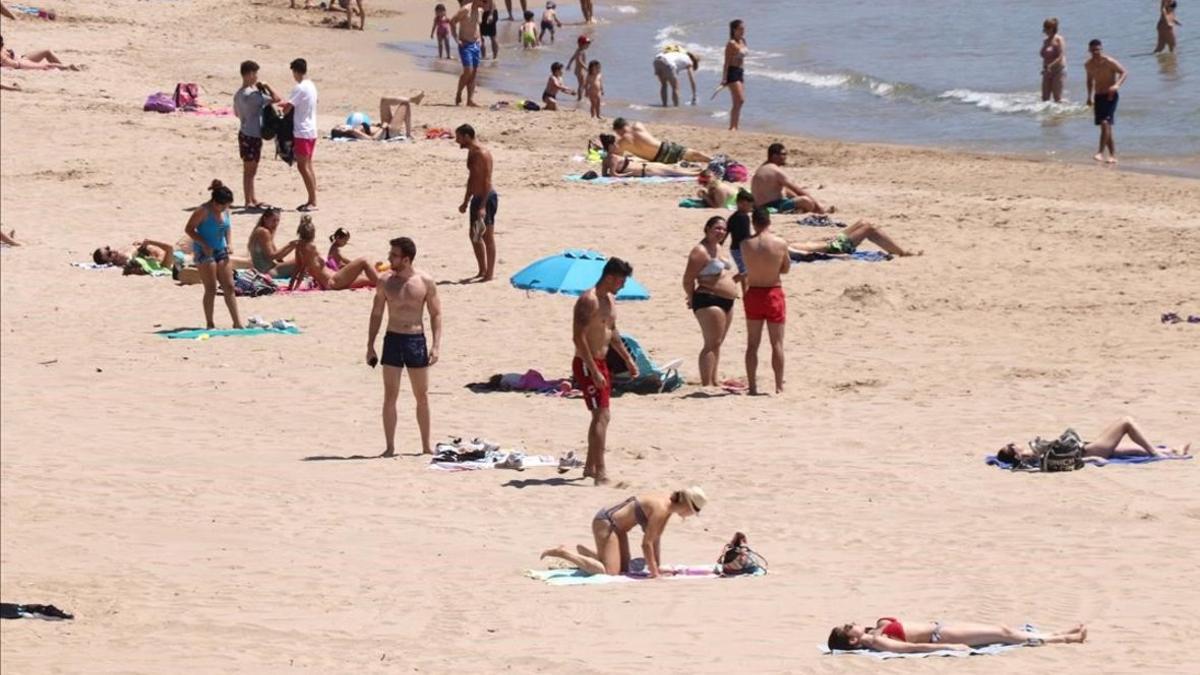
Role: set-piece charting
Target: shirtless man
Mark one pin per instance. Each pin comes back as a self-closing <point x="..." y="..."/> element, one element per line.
<point x="595" y="331"/>
<point x="1104" y="77"/>
<point x="481" y="199"/>
<point x="773" y="189"/>
<point x="632" y="138"/>
<point x="465" y="26"/>
<point x="406" y="293"/>
<point x="766" y="258"/>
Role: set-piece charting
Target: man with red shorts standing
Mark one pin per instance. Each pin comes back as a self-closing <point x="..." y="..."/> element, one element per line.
<point x="303" y="103"/>
<point x="766" y="258"/>
<point x="594" y="332"/>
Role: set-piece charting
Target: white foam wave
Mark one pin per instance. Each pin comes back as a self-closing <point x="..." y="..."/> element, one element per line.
<point x="668" y="34"/>
<point x="801" y="77"/>
<point x="1010" y="103"/>
<point x="720" y="114"/>
<point x="626" y="9"/>
<point x="637" y="106"/>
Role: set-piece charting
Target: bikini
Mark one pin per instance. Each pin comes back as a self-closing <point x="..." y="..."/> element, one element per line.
<point x="895" y="630"/>
<point x="639" y="515"/>
<point x="702" y="298"/>
<point x="625" y="166"/>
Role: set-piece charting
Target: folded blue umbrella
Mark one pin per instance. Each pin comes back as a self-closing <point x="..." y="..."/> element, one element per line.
<point x="571" y="273"/>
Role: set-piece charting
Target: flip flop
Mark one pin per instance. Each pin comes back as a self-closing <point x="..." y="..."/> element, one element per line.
<point x="306" y="208"/>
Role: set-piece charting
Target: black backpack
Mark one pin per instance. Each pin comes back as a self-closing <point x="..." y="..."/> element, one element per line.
<point x="273" y="124"/>
<point x="1064" y="453"/>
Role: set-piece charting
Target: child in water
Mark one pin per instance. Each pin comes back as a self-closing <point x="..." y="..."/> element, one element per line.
<point x="441" y="26"/>
<point x="549" y="21"/>
<point x="529" y="39"/>
<point x="335" y="260"/>
<point x="595" y="87"/>
<point x="553" y="86"/>
<point x="578" y="63"/>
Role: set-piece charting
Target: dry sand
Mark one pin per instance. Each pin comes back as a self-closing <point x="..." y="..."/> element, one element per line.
<point x="157" y="489"/>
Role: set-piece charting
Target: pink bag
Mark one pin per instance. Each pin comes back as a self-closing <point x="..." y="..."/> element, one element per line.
<point x="159" y="102"/>
<point x="187" y="95"/>
<point x="736" y="173"/>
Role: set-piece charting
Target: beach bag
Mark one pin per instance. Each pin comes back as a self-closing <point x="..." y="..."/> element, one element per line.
<point x="531" y="106"/>
<point x="739" y="558"/>
<point x="187" y="95"/>
<point x="159" y="102"/>
<point x="736" y="172"/>
<point x="271" y="122"/>
<point x="1064" y="453"/>
<point x="251" y="283"/>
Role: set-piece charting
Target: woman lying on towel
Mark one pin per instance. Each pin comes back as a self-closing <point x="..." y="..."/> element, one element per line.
<point x="616" y="165"/>
<point x="611" y="526"/>
<point x="1104" y="448"/>
<point x="889" y="635"/>
<point x="847" y="241"/>
<point x="308" y="261"/>
<point x="716" y="193"/>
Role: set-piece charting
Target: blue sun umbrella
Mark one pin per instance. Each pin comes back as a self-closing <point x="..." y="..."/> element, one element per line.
<point x="571" y="273"/>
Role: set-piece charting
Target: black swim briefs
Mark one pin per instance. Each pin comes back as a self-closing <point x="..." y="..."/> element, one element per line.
<point x="402" y="350"/>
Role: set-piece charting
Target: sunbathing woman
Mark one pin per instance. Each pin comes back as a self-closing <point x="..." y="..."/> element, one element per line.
<point x="708" y="282"/>
<point x="889" y="635"/>
<point x="629" y="167"/>
<point x="716" y="193"/>
<point x="308" y="261"/>
<point x="335" y="260"/>
<point x="847" y="241"/>
<point x="145" y="256"/>
<point x="1104" y="448"/>
<point x="611" y="526"/>
<point x="40" y="60"/>
<point x="263" y="254"/>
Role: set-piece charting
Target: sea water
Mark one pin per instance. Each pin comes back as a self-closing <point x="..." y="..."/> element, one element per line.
<point x="951" y="73"/>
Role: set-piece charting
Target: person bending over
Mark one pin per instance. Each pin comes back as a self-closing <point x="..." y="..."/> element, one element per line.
<point x="890" y="635"/>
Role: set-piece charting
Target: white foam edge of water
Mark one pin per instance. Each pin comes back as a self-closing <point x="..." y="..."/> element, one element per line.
<point x="625" y="9"/>
<point x="1010" y="103"/>
<point x="666" y="33"/>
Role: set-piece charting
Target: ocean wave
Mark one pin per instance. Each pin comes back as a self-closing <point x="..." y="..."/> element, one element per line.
<point x="802" y="77"/>
<point x="1010" y="103"/>
<point x="668" y="34"/>
<point x="625" y="9"/>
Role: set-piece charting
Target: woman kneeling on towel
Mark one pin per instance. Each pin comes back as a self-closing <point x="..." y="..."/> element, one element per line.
<point x="611" y="527"/>
<point x="617" y="165"/>
<point x="1104" y="448"/>
<point x="889" y="635"/>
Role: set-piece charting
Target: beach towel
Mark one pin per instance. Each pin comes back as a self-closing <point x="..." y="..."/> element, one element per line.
<point x="206" y="333"/>
<point x="572" y="576"/>
<point x="89" y="265"/>
<point x="693" y="203"/>
<point x="992" y="460"/>
<point x="10" y="610"/>
<point x="34" y="11"/>
<point x="209" y="112"/>
<point x="612" y="180"/>
<point x="393" y="139"/>
<point x="987" y="650"/>
<point x="531" y="381"/>
<point x="861" y="256"/>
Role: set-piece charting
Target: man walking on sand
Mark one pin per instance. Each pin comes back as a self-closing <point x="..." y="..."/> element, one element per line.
<point x="773" y="189"/>
<point x="303" y="103"/>
<point x="480" y="202"/>
<point x="248" y="103"/>
<point x="766" y="258"/>
<point x="1104" y="77"/>
<point x="406" y="294"/>
<point x="594" y="332"/>
<point x="465" y="26"/>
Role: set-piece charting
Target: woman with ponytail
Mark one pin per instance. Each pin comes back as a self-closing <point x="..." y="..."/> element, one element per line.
<point x="208" y="228"/>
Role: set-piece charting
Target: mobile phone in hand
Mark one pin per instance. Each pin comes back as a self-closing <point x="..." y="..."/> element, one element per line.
<point x="374" y="361"/>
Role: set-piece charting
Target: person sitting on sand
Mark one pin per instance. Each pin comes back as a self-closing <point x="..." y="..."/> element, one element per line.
<point x="263" y="255"/>
<point x="308" y="261"/>
<point x="847" y="241"/>
<point x="890" y="635"/>
<point x="145" y="256"/>
<point x="554" y="85"/>
<point x="632" y="138"/>
<point x="773" y="189"/>
<point x="1104" y="448"/>
<point x="716" y="193"/>
<point x="335" y="260"/>
<point x="611" y="526"/>
<point x="617" y="165"/>
<point x="40" y="60"/>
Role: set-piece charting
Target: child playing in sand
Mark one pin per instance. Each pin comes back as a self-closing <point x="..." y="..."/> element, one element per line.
<point x="441" y="26"/>
<point x="595" y="87"/>
<point x="335" y="260"/>
<point x="554" y="85"/>
<point x="529" y="38"/>
<point x="578" y="63"/>
<point x="549" y="21"/>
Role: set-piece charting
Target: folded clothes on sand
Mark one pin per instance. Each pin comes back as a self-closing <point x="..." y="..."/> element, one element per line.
<point x="612" y="180"/>
<point x="992" y="460"/>
<point x="89" y="265"/>
<point x="987" y="650"/>
<point x="861" y="256"/>
<point x="10" y="610"/>
<point x="572" y="576"/>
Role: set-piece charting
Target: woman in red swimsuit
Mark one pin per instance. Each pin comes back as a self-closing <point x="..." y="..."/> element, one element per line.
<point x="889" y="635"/>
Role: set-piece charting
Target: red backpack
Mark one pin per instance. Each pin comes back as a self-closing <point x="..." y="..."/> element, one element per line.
<point x="187" y="95"/>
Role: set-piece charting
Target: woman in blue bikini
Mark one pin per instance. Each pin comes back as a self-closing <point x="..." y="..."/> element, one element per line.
<point x="611" y="527"/>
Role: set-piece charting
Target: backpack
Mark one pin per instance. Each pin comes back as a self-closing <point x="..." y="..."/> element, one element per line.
<point x="187" y="95"/>
<point x="1064" y="453"/>
<point x="252" y="283"/>
<point x="271" y="122"/>
<point x="736" y="172"/>
<point x="739" y="558"/>
<point x="159" y="102"/>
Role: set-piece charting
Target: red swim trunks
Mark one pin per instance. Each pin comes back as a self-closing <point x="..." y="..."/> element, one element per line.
<point x="304" y="147"/>
<point x="595" y="397"/>
<point x="765" y="304"/>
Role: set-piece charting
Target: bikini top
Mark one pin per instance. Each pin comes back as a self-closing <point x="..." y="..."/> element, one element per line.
<point x="714" y="268"/>
<point x="639" y="515"/>
<point x="893" y="629"/>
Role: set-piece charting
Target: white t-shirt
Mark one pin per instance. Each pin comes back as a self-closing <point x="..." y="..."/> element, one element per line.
<point x="304" y="120"/>
<point x="678" y="60"/>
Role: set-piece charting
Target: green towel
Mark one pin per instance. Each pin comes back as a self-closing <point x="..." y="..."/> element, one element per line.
<point x="200" y="333"/>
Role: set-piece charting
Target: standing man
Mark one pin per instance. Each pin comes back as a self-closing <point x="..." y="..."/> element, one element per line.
<point x="668" y="64"/>
<point x="586" y="7"/>
<point x="766" y="258"/>
<point x="303" y="103"/>
<point x="1104" y="77"/>
<point x="479" y="202"/>
<point x="595" y="331"/>
<point x="465" y="26"/>
<point x="406" y="293"/>
<point x="248" y="103"/>
<point x="773" y="189"/>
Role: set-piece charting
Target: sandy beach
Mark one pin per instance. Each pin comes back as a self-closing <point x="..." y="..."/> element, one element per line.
<point x="159" y="490"/>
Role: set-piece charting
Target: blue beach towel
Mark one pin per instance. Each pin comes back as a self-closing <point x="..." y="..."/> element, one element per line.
<point x="199" y="333"/>
<point x="992" y="460"/>
<point x="861" y="256"/>
<point x="609" y="180"/>
<point x="576" y="577"/>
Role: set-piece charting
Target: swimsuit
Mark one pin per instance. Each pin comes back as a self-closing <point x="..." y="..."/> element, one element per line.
<point x="528" y="38"/>
<point x="261" y="261"/>
<point x="782" y="205"/>
<point x="670" y="153"/>
<point x="212" y="232"/>
<point x="469" y="54"/>
<point x="702" y="299"/>
<point x="487" y="24"/>
<point x="489" y="214"/>
<point x="625" y="167"/>
<point x="402" y="350"/>
<point x="594" y="397"/>
<point x="333" y="264"/>
<point x="443" y="27"/>
<point x="765" y="304"/>
<point x="1104" y="108"/>
<point x="842" y="244"/>
<point x="606" y="515"/>
<point x="735" y="74"/>
<point x="895" y="630"/>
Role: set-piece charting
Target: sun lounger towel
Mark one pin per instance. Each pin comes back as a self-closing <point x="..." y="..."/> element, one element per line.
<point x="991" y="460"/>
<point x="860" y="256"/>
<point x="89" y="265"/>
<point x="610" y="180"/>
<point x="571" y="576"/>
<point x="987" y="650"/>
<point x="204" y="333"/>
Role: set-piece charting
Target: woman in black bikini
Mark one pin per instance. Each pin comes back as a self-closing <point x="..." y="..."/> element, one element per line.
<point x="733" y="75"/>
<point x="710" y="286"/>
<point x="889" y="635"/>
<point x="621" y="166"/>
<point x="1054" y="61"/>
<point x="1166" y="26"/>
<point x="611" y="526"/>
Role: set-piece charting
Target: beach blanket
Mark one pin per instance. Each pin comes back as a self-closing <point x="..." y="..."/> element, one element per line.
<point x="694" y="203"/>
<point x="861" y="256"/>
<point x="89" y="265"/>
<point x="206" y="333"/>
<point x="571" y="576"/>
<point x="531" y="381"/>
<point x="393" y="139"/>
<point x="992" y="460"/>
<point x="495" y="459"/>
<point x="611" y="180"/>
<point x="987" y="650"/>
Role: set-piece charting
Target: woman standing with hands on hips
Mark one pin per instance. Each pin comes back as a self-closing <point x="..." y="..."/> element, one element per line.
<point x="208" y="227"/>
<point x="733" y="74"/>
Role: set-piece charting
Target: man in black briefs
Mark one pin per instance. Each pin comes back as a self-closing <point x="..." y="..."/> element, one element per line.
<point x="406" y="293"/>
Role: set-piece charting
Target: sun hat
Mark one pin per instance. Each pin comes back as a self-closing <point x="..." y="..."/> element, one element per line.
<point x="695" y="497"/>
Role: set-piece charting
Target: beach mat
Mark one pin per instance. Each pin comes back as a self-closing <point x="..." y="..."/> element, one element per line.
<point x="201" y="333"/>
<point x="527" y="462"/>
<point x="571" y="576"/>
<point x="992" y="460"/>
<point x="860" y="256"/>
<point x="609" y="180"/>
<point x="989" y="650"/>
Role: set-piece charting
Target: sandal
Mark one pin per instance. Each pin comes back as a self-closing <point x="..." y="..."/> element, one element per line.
<point x="305" y="208"/>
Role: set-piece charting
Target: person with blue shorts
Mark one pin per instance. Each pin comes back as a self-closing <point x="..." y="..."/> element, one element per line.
<point x="208" y="227"/>
<point x="465" y="26"/>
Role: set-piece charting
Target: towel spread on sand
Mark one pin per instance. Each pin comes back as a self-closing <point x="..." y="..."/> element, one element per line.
<point x="572" y="576"/>
<point x="861" y="256"/>
<point x="992" y="460"/>
<point x="612" y="180"/>
<point x="987" y="650"/>
<point x="206" y="333"/>
<point x="89" y="265"/>
<point x="494" y="459"/>
<point x="393" y="139"/>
